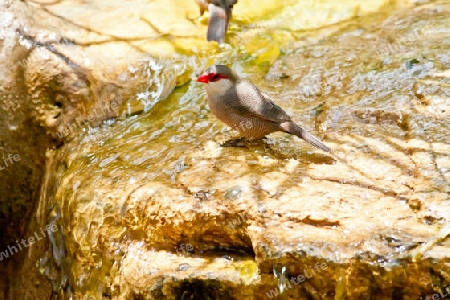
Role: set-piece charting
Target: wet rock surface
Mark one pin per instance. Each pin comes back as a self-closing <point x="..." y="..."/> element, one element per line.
<point x="150" y="206"/>
<point x="157" y="208"/>
<point x="22" y="164"/>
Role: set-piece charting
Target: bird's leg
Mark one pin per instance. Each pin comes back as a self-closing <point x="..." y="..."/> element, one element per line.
<point x="240" y="142"/>
<point x="243" y="142"/>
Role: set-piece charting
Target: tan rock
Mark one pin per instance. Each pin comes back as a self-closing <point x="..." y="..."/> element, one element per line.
<point x="151" y="207"/>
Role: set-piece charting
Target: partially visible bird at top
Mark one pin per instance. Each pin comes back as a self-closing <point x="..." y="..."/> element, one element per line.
<point x="245" y="108"/>
<point x="220" y="13"/>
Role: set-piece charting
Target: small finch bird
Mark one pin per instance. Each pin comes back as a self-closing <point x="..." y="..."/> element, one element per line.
<point x="219" y="17"/>
<point x="244" y="107"/>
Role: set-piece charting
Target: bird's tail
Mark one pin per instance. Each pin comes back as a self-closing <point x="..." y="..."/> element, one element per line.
<point x="218" y="22"/>
<point x="292" y="128"/>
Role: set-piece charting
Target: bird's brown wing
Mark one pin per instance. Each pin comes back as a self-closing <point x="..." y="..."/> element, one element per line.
<point x="247" y="99"/>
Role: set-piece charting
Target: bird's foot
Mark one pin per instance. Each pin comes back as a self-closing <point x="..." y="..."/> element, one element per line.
<point x="240" y="142"/>
<point x="244" y="142"/>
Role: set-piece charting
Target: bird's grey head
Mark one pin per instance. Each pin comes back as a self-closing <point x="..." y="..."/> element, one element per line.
<point x="218" y="79"/>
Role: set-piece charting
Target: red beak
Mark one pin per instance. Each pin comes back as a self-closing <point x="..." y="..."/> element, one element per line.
<point x="203" y="78"/>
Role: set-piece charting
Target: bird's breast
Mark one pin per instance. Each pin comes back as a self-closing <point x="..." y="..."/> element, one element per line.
<point x="218" y="107"/>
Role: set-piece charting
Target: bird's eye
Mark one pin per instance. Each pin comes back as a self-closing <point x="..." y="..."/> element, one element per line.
<point x="214" y="77"/>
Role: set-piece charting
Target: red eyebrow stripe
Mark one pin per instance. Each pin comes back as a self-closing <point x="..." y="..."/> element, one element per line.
<point x="212" y="77"/>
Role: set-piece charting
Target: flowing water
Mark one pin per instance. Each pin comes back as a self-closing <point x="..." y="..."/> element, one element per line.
<point x="153" y="189"/>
